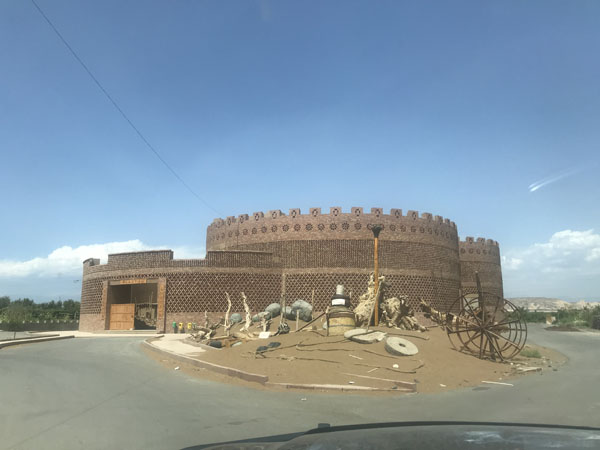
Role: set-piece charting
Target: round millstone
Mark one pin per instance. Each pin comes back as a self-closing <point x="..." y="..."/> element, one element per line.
<point x="361" y="336"/>
<point x="401" y="347"/>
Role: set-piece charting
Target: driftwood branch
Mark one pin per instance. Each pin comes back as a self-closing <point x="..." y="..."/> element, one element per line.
<point x="227" y="324"/>
<point x="246" y="326"/>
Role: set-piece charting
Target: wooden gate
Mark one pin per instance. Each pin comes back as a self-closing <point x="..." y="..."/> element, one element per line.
<point x="121" y="316"/>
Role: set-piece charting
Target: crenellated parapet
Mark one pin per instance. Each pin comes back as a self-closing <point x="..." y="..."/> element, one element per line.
<point x="479" y="249"/>
<point x="274" y="225"/>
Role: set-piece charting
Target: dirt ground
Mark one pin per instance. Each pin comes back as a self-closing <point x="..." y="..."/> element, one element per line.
<point x="311" y="357"/>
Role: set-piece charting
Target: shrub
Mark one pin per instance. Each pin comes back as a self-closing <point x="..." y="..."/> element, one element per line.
<point x="530" y="353"/>
<point x="577" y="317"/>
<point x="14" y="316"/>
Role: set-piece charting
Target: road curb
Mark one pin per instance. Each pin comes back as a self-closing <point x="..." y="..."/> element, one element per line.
<point x="236" y="373"/>
<point x="34" y="340"/>
<point x="335" y="387"/>
<point x="32" y="337"/>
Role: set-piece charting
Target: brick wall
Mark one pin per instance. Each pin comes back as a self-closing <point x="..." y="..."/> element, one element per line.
<point x="267" y="255"/>
<point x="483" y="256"/>
<point x="190" y="293"/>
<point x="359" y="254"/>
<point x="91" y="322"/>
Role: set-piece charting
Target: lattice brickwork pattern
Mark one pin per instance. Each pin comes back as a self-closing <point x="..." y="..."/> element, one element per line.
<point x="91" y="296"/>
<point x="441" y="293"/>
<point x="191" y="293"/>
<point x="197" y="292"/>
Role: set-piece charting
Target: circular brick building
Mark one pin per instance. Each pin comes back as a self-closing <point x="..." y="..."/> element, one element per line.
<point x="296" y="255"/>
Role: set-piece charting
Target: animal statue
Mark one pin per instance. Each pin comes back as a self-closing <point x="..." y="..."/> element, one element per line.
<point x="438" y="317"/>
<point x="397" y="313"/>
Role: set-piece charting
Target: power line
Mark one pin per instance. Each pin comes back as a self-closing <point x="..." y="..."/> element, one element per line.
<point x="118" y="108"/>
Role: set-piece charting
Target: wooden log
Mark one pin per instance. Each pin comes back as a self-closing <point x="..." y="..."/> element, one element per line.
<point x="406" y="384"/>
<point x="307" y="324"/>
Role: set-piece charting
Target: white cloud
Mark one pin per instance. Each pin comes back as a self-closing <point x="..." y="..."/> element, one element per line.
<point x="566" y="250"/>
<point x="67" y="260"/>
<point x="511" y="263"/>
<point x="567" y="265"/>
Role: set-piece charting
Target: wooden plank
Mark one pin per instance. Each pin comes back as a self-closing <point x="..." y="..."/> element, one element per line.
<point x="406" y="384"/>
<point x="122" y="316"/>
<point x="122" y="308"/>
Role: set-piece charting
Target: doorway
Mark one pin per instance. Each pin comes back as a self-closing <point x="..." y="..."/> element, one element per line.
<point x="132" y="304"/>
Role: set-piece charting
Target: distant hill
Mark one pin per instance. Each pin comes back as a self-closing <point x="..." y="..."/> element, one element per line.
<point x="545" y="304"/>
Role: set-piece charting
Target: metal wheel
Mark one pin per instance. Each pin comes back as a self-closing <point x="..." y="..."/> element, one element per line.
<point x="487" y="326"/>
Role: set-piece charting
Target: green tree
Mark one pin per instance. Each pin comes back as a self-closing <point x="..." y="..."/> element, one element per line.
<point x="4" y="302"/>
<point x="52" y="310"/>
<point x="14" y="316"/>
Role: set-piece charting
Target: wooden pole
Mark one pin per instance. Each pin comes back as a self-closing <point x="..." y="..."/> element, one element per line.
<point x="376" y="229"/>
<point x="480" y="296"/>
<point x="376" y="251"/>
<point x="307" y="324"/>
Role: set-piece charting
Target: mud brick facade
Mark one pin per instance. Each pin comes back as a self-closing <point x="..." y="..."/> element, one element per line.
<point x="268" y="255"/>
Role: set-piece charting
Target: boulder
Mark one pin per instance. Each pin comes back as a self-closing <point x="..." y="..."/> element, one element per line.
<point x="235" y="318"/>
<point x="258" y="317"/>
<point x="274" y="309"/>
<point x="288" y="313"/>
<point x="304" y="308"/>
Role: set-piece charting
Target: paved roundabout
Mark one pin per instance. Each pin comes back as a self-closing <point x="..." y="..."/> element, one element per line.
<point x="107" y="393"/>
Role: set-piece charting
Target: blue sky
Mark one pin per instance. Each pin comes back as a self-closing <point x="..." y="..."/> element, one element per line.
<point x="454" y="108"/>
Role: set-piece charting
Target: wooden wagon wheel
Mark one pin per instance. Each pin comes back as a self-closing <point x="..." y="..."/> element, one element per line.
<point x="487" y="326"/>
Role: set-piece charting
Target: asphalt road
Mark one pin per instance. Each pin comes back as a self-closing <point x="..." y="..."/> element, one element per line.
<point x="106" y="393"/>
